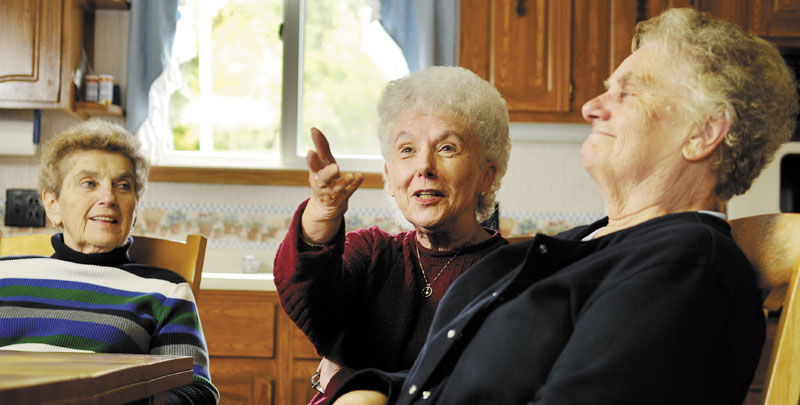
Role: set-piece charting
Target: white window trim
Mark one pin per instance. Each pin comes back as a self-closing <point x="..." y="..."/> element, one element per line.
<point x="292" y="84"/>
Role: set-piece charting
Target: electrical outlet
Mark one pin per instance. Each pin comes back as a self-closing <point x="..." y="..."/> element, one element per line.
<point x="23" y="208"/>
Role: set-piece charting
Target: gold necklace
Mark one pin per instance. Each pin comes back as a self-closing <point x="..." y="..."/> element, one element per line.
<point x="427" y="291"/>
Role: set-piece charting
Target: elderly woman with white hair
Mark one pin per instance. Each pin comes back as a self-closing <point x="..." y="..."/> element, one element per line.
<point x="366" y="298"/>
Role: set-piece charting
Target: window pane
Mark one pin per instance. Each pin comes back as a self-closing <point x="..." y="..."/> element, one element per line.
<point x="230" y="55"/>
<point x="348" y="59"/>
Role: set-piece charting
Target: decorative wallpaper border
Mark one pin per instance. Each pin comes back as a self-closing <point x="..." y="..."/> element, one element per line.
<point x="262" y="227"/>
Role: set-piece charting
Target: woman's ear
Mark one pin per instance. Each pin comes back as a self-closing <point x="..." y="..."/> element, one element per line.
<point x="388" y="179"/>
<point x="51" y="207"/>
<point x="703" y="143"/>
<point x="489" y="173"/>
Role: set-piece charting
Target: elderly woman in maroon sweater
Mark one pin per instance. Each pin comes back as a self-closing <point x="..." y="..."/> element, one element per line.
<point x="366" y="298"/>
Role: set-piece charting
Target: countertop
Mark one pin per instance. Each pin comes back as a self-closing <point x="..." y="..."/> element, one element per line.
<point x="237" y="281"/>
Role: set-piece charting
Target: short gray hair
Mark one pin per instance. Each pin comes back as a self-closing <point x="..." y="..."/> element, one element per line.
<point x="94" y="134"/>
<point x="459" y="94"/>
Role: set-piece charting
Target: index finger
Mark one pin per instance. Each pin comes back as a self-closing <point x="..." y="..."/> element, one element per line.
<point x="322" y="147"/>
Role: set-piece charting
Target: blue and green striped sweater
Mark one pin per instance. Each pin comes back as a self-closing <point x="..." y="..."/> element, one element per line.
<point x="102" y="303"/>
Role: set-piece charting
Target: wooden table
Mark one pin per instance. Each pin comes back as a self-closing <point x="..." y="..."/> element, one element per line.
<point x="89" y="378"/>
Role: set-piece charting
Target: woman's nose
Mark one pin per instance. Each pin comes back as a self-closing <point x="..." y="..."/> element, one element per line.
<point x="108" y="195"/>
<point x="594" y="110"/>
<point x="426" y="165"/>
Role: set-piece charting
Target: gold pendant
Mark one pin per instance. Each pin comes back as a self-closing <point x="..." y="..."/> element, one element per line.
<point x="427" y="291"/>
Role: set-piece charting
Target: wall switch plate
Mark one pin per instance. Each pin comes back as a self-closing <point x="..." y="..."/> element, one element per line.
<point x="23" y="208"/>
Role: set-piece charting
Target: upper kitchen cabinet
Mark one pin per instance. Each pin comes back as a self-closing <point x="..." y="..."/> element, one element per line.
<point x="41" y="42"/>
<point x="546" y="57"/>
<point x="776" y="20"/>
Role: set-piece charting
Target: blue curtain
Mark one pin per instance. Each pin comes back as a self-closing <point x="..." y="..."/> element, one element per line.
<point x="425" y="30"/>
<point x="152" y="30"/>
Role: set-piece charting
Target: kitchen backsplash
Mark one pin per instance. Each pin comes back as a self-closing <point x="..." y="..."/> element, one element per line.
<point x="545" y="190"/>
<point x="262" y="227"/>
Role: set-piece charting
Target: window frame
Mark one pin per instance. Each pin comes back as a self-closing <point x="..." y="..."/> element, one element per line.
<point x="256" y="168"/>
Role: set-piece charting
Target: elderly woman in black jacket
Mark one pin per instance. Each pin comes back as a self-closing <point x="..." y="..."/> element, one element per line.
<point x="654" y="304"/>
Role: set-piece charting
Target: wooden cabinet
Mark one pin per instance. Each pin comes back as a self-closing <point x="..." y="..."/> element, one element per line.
<point x="258" y="356"/>
<point x="528" y="56"/>
<point x="776" y="20"/>
<point x="41" y="42"/>
<point x="546" y="58"/>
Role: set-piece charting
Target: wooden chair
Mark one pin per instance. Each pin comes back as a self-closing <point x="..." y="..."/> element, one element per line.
<point x="772" y="243"/>
<point x="36" y="244"/>
<point x="184" y="258"/>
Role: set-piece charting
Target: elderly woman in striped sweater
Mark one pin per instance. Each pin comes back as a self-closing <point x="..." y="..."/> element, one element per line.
<point x="89" y="296"/>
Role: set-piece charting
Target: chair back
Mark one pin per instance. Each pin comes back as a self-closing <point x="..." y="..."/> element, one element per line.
<point x="184" y="258"/>
<point x="36" y="244"/>
<point x="772" y="243"/>
<point x="783" y="374"/>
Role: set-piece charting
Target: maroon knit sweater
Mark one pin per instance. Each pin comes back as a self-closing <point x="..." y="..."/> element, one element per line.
<point x="365" y="287"/>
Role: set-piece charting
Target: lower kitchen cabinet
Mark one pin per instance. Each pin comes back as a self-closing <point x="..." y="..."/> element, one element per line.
<point x="258" y="355"/>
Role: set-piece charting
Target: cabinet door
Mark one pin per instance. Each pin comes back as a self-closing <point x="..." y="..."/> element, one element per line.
<point x="30" y="39"/>
<point x="241" y="333"/>
<point x="546" y="62"/>
<point x="778" y="19"/>
<point x="529" y="51"/>
<point x="258" y="356"/>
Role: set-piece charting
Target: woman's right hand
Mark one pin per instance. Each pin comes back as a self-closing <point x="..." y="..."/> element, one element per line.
<point x="327" y="368"/>
<point x="330" y="192"/>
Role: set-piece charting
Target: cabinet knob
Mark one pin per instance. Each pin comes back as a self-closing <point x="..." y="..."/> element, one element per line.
<point x="521" y="8"/>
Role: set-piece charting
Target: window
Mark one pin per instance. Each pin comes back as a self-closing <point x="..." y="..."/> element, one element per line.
<point x="258" y="74"/>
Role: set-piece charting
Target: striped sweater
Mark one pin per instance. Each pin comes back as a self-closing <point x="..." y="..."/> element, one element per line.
<point x="102" y="303"/>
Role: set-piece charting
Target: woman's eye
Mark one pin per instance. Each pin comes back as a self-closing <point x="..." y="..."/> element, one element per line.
<point x="87" y="184"/>
<point x="625" y="94"/>
<point x="447" y="148"/>
<point x="406" y="149"/>
<point x="124" y="186"/>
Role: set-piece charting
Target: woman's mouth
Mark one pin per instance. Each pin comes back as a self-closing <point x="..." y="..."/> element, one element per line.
<point x="104" y="219"/>
<point x="428" y="195"/>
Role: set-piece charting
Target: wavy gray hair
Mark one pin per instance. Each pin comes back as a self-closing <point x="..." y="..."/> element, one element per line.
<point x="735" y="74"/>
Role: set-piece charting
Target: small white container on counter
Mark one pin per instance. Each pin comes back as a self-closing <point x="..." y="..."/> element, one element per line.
<point x="250" y="264"/>
<point x="105" y="92"/>
<point x="90" y="92"/>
